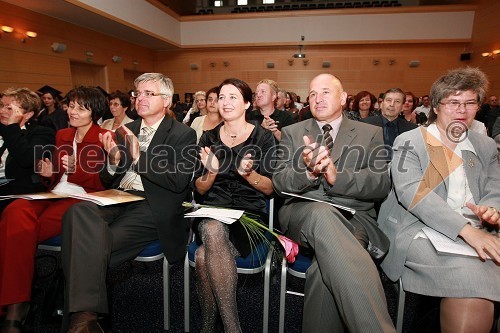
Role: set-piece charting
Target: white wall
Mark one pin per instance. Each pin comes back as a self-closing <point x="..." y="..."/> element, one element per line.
<point x="331" y="29"/>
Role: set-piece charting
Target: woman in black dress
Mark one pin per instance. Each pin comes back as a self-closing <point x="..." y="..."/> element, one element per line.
<point x="235" y="172"/>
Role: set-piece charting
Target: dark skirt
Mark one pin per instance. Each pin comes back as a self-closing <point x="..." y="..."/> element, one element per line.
<point x="237" y="234"/>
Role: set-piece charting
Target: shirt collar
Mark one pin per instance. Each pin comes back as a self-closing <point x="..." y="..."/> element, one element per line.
<point x="335" y="126"/>
<point x="154" y="126"/>
<point x="463" y="144"/>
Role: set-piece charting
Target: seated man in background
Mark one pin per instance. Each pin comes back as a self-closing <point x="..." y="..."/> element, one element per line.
<point x="22" y="142"/>
<point x="343" y="287"/>
<point x="267" y="115"/>
<point x="390" y="108"/>
<point x="154" y="164"/>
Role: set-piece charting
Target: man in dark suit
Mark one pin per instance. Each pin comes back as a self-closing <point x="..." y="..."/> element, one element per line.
<point x="391" y="107"/>
<point x="151" y="161"/>
<point x="343" y="288"/>
<point x="22" y="142"/>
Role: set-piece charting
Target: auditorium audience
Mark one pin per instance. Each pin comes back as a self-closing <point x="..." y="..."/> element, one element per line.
<point x="343" y="289"/>
<point x="267" y="115"/>
<point x="153" y="163"/>
<point x="237" y="165"/>
<point x="409" y="106"/>
<point x="212" y="118"/>
<point x="22" y="143"/>
<point x="74" y="168"/>
<point x="281" y="99"/>
<point x="132" y="112"/>
<point x="52" y="115"/>
<point x="422" y="111"/>
<point x="447" y="179"/>
<point x="392" y="125"/>
<point x="119" y="104"/>
<point x="198" y="109"/>
<point x="363" y="106"/>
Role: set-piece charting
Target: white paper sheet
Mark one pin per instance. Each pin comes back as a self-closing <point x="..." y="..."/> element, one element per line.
<point x="227" y="216"/>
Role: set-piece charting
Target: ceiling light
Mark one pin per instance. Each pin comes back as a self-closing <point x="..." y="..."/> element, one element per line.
<point x="31" y="34"/>
<point x="7" y="29"/>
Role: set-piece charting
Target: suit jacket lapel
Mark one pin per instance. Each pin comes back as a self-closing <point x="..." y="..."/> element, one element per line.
<point x="135" y="127"/>
<point x="161" y="133"/>
<point x="312" y="130"/>
<point x="471" y="167"/>
<point x="347" y="132"/>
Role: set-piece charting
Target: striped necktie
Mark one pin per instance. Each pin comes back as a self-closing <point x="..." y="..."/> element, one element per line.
<point x="327" y="137"/>
<point x="130" y="176"/>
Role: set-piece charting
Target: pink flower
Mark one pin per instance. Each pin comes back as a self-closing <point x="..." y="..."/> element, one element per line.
<point x="291" y="248"/>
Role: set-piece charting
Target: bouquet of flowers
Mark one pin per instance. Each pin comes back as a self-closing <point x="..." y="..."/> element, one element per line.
<point x="258" y="232"/>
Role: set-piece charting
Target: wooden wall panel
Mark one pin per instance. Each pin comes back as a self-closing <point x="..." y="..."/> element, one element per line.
<point x="353" y="64"/>
<point x="34" y="64"/>
<point x="486" y="38"/>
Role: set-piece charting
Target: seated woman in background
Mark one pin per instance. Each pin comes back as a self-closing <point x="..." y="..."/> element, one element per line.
<point x="290" y="103"/>
<point x="447" y="178"/>
<point x="409" y="107"/>
<point x="236" y="170"/>
<point x="198" y="109"/>
<point x="363" y="106"/>
<point x="212" y="118"/>
<point x="22" y="142"/>
<point x="52" y="115"/>
<point x="119" y="103"/>
<point x="75" y="167"/>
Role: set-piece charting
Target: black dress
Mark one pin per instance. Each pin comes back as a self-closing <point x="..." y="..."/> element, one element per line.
<point x="230" y="190"/>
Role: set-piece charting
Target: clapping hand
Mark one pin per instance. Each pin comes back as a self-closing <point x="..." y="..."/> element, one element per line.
<point x="317" y="160"/>
<point x="44" y="168"/>
<point x="209" y="160"/>
<point x="68" y="162"/>
<point x="110" y="147"/>
<point x="270" y="124"/>
<point x="246" y="164"/>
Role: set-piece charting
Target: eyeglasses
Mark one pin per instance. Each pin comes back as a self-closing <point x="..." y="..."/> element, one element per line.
<point x="455" y="105"/>
<point x="145" y="93"/>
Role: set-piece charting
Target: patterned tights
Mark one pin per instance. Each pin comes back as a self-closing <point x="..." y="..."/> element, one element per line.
<point x="217" y="277"/>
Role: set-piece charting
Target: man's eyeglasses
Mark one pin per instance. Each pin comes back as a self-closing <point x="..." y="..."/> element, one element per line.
<point x="145" y="93"/>
<point x="455" y="105"/>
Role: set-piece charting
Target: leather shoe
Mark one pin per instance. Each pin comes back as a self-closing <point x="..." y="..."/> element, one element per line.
<point x="91" y="326"/>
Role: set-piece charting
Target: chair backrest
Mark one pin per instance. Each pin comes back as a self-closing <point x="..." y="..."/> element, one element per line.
<point x="51" y="244"/>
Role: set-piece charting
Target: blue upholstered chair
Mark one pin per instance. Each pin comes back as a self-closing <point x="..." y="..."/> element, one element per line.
<point x="151" y="252"/>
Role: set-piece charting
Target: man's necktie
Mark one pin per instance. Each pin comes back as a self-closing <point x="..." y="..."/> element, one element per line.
<point x="327" y="137"/>
<point x="128" y="179"/>
<point x="391" y="133"/>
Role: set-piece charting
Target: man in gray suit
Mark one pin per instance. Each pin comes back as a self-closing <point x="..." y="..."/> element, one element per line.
<point x="343" y="289"/>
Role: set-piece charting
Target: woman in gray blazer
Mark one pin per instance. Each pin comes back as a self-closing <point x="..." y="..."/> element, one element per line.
<point x="447" y="178"/>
